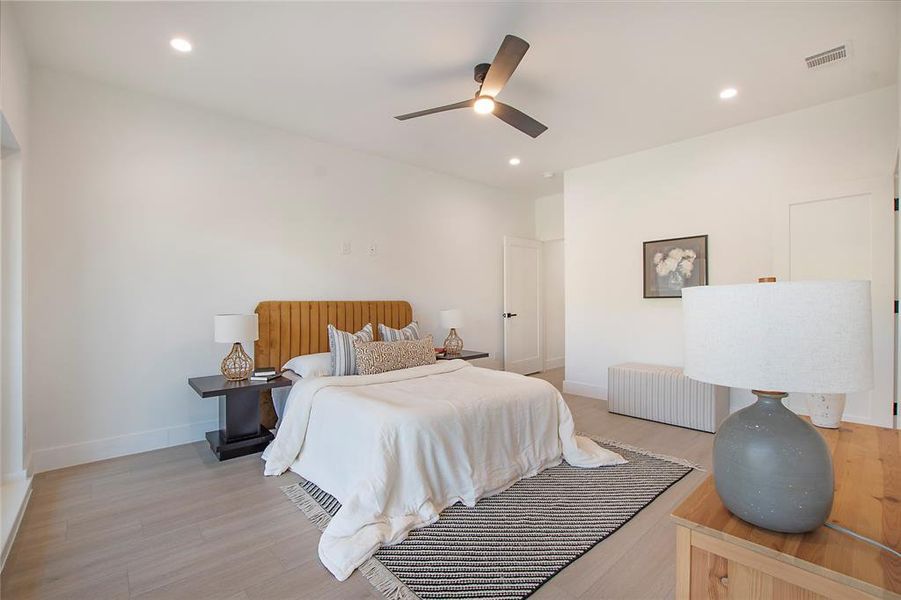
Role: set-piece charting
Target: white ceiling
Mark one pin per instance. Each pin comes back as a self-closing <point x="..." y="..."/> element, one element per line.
<point x="607" y="78"/>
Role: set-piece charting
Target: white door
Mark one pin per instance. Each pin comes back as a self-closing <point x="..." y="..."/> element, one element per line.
<point x="522" y="305"/>
<point x="850" y="235"/>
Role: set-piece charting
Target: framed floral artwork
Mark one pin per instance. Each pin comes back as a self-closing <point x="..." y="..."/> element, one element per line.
<point x="673" y="264"/>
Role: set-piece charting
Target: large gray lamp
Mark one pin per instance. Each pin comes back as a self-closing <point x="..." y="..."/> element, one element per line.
<point x="771" y="467"/>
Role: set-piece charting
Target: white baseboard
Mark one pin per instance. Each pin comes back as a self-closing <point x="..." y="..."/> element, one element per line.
<point x="588" y="390"/>
<point x="59" y="457"/>
<point x="19" y="499"/>
<point x="553" y="363"/>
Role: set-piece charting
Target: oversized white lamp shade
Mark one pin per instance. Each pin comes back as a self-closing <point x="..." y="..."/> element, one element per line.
<point x="451" y="318"/>
<point x="797" y="336"/>
<point x="235" y="328"/>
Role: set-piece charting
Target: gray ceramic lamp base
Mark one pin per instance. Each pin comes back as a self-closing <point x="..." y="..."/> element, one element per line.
<point x="772" y="468"/>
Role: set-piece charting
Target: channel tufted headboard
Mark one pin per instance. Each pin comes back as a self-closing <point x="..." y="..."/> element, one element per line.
<point x="297" y="327"/>
<point x="294" y="328"/>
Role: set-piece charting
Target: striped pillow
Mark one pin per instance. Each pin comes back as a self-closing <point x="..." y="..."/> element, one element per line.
<point x="341" y="345"/>
<point x="410" y="332"/>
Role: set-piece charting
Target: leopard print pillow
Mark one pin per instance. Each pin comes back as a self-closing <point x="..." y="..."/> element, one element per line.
<point x="380" y="357"/>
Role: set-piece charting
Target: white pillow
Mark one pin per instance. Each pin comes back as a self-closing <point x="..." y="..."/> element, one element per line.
<point x="311" y="365"/>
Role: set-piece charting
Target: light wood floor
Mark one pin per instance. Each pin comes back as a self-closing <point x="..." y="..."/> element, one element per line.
<point x="175" y="523"/>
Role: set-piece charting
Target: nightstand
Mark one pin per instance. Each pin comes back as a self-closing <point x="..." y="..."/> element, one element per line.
<point x="239" y="430"/>
<point x="464" y="355"/>
<point x="720" y="556"/>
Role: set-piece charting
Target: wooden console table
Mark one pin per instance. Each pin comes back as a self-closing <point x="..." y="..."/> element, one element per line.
<point x="720" y="556"/>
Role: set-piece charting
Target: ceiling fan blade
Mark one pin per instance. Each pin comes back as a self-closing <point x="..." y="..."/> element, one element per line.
<point x="505" y="62"/>
<point x="431" y="111"/>
<point x="518" y="119"/>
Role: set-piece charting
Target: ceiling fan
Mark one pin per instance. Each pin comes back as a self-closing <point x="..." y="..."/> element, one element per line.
<point x="491" y="79"/>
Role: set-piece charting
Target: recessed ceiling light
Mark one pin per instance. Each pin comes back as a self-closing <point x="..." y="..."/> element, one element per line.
<point x="728" y="93"/>
<point x="514" y="161"/>
<point x="484" y="105"/>
<point x="181" y="44"/>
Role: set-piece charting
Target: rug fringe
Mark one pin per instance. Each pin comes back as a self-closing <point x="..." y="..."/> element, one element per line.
<point x="305" y="502"/>
<point x="384" y="581"/>
<point x="629" y="447"/>
<point x="373" y="570"/>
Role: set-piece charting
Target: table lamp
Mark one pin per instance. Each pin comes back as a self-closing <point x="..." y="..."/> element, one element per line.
<point x="451" y="319"/>
<point x="234" y="329"/>
<point x="771" y="467"/>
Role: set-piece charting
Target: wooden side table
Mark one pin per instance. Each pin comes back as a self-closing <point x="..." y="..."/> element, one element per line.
<point x="720" y="556"/>
<point x="239" y="432"/>
<point x="464" y="355"/>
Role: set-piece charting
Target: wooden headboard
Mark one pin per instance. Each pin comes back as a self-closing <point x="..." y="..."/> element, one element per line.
<point x="294" y="328"/>
<point x="289" y="329"/>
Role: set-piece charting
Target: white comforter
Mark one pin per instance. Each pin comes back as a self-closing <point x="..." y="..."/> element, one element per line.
<point x="397" y="448"/>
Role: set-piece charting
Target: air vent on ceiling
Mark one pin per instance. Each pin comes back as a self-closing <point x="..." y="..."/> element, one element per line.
<point x="829" y="56"/>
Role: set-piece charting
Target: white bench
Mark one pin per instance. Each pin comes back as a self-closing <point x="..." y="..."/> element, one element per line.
<point x="664" y="394"/>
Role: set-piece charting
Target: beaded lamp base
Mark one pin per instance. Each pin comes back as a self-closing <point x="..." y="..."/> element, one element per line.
<point x="453" y="343"/>
<point x="237" y="366"/>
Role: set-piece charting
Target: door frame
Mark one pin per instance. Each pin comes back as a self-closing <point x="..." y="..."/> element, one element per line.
<point x="508" y="239"/>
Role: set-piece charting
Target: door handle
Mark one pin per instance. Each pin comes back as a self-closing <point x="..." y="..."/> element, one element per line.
<point x="508" y="315"/>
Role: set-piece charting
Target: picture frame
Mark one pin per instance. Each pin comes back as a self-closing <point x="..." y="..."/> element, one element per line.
<point x="669" y="265"/>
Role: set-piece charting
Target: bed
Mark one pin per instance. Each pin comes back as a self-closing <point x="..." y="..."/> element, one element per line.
<point x="397" y="448"/>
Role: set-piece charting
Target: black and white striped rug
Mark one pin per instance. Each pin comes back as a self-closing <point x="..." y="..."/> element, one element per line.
<point x="508" y="545"/>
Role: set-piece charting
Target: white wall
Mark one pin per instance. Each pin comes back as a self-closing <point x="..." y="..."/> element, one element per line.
<point x="727" y="184"/>
<point x="146" y="217"/>
<point x="13" y="75"/>
<point x="549" y="217"/>
<point x="549" y="230"/>
<point x="552" y="266"/>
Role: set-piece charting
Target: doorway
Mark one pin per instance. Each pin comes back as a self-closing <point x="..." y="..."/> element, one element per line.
<point x="13" y="439"/>
<point x="522" y="305"/>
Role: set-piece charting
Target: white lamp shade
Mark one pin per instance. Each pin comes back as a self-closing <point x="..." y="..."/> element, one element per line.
<point x="451" y="318"/>
<point x="798" y="336"/>
<point x="235" y="328"/>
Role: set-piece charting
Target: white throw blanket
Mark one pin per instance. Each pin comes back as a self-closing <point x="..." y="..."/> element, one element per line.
<point x="397" y="448"/>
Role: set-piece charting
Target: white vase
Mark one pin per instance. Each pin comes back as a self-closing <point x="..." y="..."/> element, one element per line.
<point x="826" y="409"/>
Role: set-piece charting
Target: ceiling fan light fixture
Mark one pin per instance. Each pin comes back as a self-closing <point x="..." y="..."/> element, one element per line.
<point x="181" y="44"/>
<point x="484" y="105"/>
<point x="492" y="77"/>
